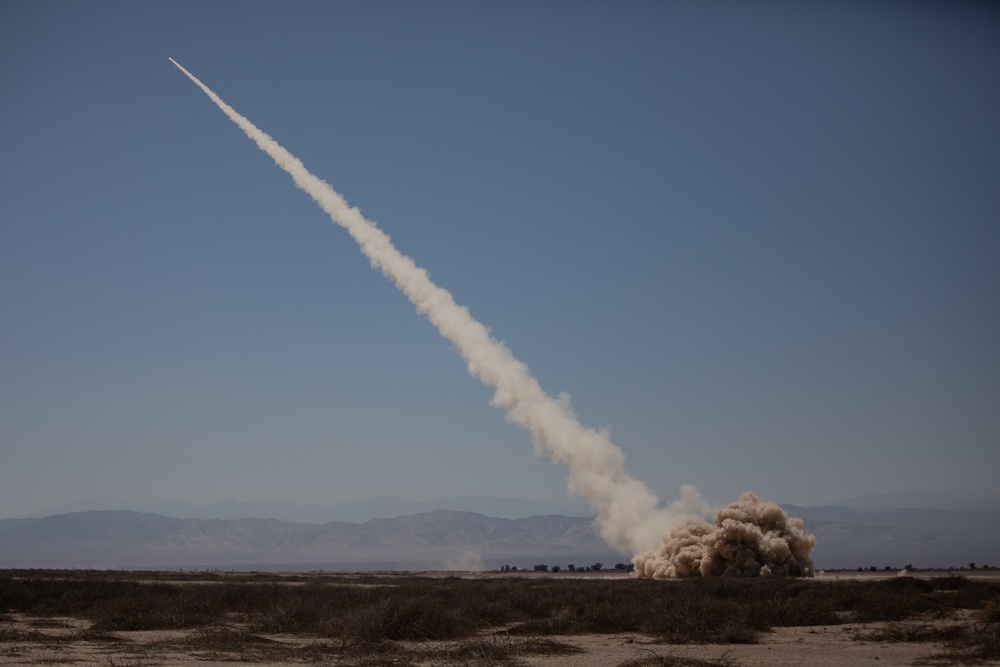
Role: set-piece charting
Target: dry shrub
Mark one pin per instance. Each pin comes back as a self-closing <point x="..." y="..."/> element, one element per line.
<point x="982" y="642"/>
<point x="503" y="647"/>
<point x="677" y="661"/>
<point x="13" y="635"/>
<point x="397" y="618"/>
<point x="151" y="607"/>
<point x="368" y="615"/>
<point x="990" y="611"/>
<point x="967" y="643"/>
<point x="235" y="644"/>
<point x="912" y="633"/>
<point x="226" y="639"/>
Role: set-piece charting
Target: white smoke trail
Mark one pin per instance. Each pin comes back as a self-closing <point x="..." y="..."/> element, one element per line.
<point x="627" y="511"/>
<point x="750" y="538"/>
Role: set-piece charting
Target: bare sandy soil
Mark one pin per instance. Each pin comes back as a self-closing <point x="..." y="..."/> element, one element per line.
<point x="33" y="641"/>
<point x="820" y="646"/>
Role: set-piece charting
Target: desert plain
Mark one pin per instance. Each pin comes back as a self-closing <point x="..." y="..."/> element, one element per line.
<point x="606" y="619"/>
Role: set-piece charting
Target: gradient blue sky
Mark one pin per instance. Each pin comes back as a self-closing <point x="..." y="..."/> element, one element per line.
<point x="759" y="241"/>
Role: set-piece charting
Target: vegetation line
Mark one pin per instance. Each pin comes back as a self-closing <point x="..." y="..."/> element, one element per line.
<point x="452" y="620"/>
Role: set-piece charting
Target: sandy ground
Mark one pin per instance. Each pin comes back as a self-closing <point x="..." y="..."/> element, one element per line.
<point x="823" y="646"/>
<point x="30" y="641"/>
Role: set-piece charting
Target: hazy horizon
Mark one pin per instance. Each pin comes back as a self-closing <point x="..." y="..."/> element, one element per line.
<point x="989" y="494"/>
<point x="758" y="244"/>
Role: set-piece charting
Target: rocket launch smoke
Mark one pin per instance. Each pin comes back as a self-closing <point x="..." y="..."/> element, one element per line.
<point x="627" y="512"/>
<point x="750" y="538"/>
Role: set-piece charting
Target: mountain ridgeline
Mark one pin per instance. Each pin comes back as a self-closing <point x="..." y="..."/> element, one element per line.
<point x="949" y="530"/>
<point x="441" y="539"/>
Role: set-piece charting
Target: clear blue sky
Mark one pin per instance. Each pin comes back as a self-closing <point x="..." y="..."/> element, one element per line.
<point x="759" y="241"/>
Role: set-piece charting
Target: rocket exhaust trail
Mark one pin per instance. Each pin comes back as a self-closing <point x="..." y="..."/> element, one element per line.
<point x="627" y="511"/>
<point x="749" y="537"/>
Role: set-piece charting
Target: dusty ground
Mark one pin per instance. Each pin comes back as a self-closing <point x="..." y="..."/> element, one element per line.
<point x="821" y="646"/>
<point x="32" y="641"/>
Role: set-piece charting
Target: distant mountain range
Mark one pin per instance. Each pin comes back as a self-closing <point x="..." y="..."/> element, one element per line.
<point x="919" y="528"/>
<point x="441" y="539"/>
<point x="847" y="538"/>
<point x="922" y="528"/>
<point x="356" y="511"/>
<point x="959" y="500"/>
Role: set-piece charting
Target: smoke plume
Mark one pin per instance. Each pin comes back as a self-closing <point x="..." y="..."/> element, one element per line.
<point x="750" y="538"/>
<point x="628" y="514"/>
